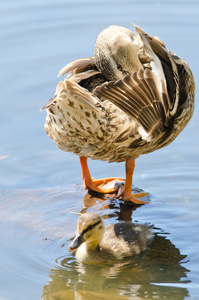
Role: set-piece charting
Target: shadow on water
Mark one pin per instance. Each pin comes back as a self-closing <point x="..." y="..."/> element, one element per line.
<point x="149" y="276"/>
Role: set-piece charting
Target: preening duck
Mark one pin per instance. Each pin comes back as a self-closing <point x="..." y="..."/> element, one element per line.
<point x="133" y="97"/>
<point x="96" y="244"/>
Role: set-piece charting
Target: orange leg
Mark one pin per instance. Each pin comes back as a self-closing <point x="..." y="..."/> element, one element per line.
<point x="125" y="191"/>
<point x="92" y="184"/>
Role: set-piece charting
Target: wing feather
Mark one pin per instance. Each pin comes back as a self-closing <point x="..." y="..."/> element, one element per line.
<point x="139" y="96"/>
<point x="78" y="65"/>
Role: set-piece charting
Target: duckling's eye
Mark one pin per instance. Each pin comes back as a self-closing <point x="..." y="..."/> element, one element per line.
<point x="119" y="67"/>
<point x="89" y="227"/>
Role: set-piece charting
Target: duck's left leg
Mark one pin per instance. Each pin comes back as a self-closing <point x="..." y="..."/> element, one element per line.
<point x="93" y="184"/>
<point x="125" y="191"/>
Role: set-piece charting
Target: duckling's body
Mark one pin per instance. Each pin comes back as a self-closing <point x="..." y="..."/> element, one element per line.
<point x="96" y="244"/>
<point x="133" y="97"/>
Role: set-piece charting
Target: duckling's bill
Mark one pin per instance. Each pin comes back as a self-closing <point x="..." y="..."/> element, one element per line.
<point x="78" y="240"/>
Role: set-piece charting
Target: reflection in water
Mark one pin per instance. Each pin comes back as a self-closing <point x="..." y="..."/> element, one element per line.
<point x="160" y="265"/>
<point x="128" y="279"/>
<point x="102" y="202"/>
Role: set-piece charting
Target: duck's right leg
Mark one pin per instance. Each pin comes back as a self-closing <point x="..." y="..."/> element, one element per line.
<point x="126" y="190"/>
<point x="93" y="184"/>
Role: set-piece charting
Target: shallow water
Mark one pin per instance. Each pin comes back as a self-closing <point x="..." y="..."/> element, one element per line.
<point x="40" y="186"/>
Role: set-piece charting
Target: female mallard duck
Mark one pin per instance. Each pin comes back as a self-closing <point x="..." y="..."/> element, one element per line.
<point x="133" y="97"/>
<point x="96" y="244"/>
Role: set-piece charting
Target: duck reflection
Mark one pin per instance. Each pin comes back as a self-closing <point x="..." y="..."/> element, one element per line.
<point x="136" y="278"/>
<point x="115" y="207"/>
<point x="141" y="277"/>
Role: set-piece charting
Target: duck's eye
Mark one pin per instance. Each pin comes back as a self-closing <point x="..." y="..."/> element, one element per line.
<point x="119" y="67"/>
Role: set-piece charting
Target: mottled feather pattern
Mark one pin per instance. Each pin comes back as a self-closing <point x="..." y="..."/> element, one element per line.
<point x="72" y="119"/>
<point x="79" y="123"/>
<point x="136" y="114"/>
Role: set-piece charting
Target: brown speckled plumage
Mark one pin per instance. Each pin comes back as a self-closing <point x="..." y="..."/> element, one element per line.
<point x="133" y="97"/>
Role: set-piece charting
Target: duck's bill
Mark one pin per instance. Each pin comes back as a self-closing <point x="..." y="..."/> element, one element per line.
<point x="78" y="240"/>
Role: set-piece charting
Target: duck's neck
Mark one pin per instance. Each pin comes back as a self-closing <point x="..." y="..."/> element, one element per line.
<point x="92" y="245"/>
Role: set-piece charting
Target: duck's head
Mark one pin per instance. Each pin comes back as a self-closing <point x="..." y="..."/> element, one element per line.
<point x="116" y="52"/>
<point x="90" y="229"/>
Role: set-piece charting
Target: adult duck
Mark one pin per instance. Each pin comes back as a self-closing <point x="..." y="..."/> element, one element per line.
<point x="133" y="97"/>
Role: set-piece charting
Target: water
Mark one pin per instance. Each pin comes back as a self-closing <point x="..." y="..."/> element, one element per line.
<point x="40" y="186"/>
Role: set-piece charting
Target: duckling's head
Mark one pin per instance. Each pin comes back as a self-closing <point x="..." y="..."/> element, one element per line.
<point x="116" y="52"/>
<point x="90" y="229"/>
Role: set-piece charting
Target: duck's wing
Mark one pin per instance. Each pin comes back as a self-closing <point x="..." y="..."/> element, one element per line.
<point x="77" y="66"/>
<point x="80" y="69"/>
<point x="68" y="90"/>
<point x="74" y="108"/>
<point x="140" y="96"/>
<point x="179" y="78"/>
<point x="168" y="64"/>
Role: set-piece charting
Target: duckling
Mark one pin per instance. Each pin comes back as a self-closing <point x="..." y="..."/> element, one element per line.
<point x="97" y="244"/>
<point x="133" y="97"/>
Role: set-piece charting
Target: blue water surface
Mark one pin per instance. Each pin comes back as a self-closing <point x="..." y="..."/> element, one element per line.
<point x="40" y="186"/>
